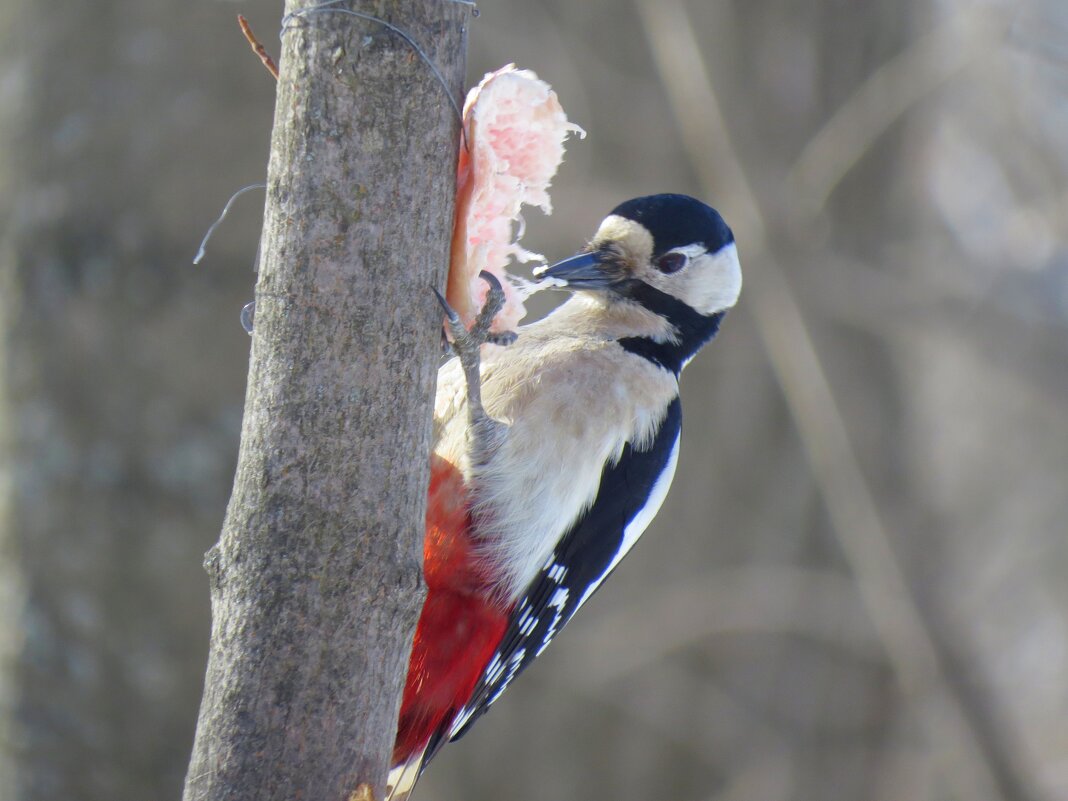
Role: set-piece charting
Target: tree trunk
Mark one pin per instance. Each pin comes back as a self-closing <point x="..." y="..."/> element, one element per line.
<point x="316" y="580"/>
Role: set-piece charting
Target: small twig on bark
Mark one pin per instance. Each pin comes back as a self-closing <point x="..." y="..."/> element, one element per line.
<point x="257" y="46"/>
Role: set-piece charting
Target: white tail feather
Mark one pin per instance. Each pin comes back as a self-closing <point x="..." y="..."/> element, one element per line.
<point x="403" y="777"/>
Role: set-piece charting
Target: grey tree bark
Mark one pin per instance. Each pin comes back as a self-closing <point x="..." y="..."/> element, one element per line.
<point x="316" y="580"/>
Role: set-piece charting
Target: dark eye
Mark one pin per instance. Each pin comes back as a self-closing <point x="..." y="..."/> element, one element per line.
<point x="671" y="262"/>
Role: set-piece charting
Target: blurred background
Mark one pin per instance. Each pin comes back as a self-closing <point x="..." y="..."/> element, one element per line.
<point x="858" y="587"/>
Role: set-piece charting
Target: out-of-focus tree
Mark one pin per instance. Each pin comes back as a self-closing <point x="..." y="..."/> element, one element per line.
<point x="125" y="127"/>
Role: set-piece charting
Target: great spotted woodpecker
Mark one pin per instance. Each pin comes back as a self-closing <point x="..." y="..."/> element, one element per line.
<point x="552" y="456"/>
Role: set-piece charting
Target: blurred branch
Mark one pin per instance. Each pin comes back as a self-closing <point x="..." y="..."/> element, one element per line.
<point x="661" y="716"/>
<point x="918" y="305"/>
<point x="850" y="502"/>
<point x="746" y="599"/>
<point x="1040" y="36"/>
<point x="766" y="777"/>
<point x="13" y="590"/>
<point x="881" y="100"/>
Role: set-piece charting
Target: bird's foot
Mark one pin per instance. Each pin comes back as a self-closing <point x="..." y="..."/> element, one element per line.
<point x="485" y="432"/>
<point x="466" y="343"/>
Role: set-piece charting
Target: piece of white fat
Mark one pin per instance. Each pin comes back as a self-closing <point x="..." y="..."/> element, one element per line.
<point x="515" y="132"/>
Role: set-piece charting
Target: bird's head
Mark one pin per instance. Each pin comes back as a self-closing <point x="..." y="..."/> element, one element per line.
<point x="653" y="246"/>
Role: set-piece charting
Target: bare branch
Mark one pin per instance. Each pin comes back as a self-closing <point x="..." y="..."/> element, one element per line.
<point x="880" y="100"/>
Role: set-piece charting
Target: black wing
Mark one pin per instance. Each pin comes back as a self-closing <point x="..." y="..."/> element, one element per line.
<point x="582" y="560"/>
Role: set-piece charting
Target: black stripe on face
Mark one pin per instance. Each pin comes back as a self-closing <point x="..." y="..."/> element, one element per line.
<point x="692" y="328"/>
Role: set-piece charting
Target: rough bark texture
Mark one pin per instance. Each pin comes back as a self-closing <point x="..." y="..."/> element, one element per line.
<point x="316" y="580"/>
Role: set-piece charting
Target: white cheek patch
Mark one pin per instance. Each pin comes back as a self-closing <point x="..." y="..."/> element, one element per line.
<point x="717" y="280"/>
<point x="710" y="282"/>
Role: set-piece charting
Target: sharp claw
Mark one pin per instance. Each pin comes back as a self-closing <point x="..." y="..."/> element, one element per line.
<point x="463" y="339"/>
<point x="492" y="280"/>
<point x="494" y="302"/>
<point x="449" y="311"/>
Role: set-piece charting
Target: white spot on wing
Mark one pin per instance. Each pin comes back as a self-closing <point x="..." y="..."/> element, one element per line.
<point x="513" y="668"/>
<point x="493" y="674"/>
<point x="461" y="720"/>
<point x="527" y="622"/>
<point x="495" y="669"/>
<point x="720" y="284"/>
<point x="557" y="602"/>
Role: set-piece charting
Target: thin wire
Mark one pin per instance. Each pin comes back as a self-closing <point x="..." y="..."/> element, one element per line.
<point x="327" y="7"/>
<point x="218" y="222"/>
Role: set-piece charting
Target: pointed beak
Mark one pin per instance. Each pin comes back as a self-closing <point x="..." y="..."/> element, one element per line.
<point x="582" y="271"/>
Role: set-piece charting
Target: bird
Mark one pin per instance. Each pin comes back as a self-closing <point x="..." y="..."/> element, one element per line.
<point x="553" y="454"/>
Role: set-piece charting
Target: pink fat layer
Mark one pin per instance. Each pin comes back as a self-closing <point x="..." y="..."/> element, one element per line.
<point x="515" y="142"/>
